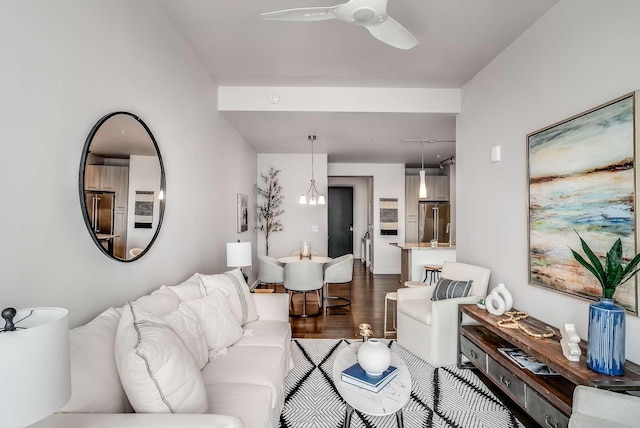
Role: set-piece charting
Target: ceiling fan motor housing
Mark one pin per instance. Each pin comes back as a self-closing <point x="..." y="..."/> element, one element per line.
<point x="361" y="12"/>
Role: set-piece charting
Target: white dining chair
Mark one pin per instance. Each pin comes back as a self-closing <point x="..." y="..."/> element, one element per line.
<point x="270" y="271"/>
<point x="303" y="277"/>
<point x="338" y="271"/>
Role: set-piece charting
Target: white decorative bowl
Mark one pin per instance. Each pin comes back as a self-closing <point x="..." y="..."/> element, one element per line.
<point x="374" y="357"/>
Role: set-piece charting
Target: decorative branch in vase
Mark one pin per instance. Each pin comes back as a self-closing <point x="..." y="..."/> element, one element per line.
<point x="606" y="340"/>
<point x="269" y="207"/>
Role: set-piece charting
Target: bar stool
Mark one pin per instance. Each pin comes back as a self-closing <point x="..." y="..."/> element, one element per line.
<point x="432" y="272"/>
<point x="390" y="296"/>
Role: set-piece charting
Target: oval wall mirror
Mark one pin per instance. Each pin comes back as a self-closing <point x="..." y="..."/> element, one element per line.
<point x="122" y="186"/>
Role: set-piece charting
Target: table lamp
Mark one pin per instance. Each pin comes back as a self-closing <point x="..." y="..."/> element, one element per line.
<point x="34" y="365"/>
<point x="239" y="255"/>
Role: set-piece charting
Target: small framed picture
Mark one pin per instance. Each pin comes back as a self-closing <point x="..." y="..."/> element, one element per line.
<point x="243" y="212"/>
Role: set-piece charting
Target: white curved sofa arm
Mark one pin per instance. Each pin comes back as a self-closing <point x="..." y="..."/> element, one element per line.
<point x="272" y="306"/>
<point x="138" y="420"/>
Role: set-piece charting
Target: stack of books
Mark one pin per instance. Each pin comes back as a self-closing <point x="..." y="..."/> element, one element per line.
<point x="355" y="375"/>
<point x="526" y="361"/>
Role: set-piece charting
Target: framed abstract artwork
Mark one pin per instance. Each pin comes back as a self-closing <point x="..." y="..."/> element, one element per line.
<point x="243" y="212"/>
<point x="581" y="174"/>
<point x="388" y="216"/>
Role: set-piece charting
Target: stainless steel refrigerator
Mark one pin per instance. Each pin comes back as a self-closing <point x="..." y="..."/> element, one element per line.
<point x="100" y="211"/>
<point x="433" y="222"/>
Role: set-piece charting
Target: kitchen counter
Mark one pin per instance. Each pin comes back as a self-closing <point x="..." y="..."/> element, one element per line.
<point x="415" y="256"/>
<point x="422" y="246"/>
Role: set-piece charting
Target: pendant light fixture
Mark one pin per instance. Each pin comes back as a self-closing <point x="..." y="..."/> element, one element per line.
<point x="422" y="194"/>
<point x="315" y="197"/>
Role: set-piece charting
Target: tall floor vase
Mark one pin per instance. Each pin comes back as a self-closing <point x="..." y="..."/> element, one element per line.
<point x="605" y="347"/>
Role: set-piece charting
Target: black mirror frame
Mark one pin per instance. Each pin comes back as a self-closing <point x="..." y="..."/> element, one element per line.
<point x="83" y="206"/>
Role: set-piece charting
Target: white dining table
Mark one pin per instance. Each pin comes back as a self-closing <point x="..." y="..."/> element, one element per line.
<point x="314" y="259"/>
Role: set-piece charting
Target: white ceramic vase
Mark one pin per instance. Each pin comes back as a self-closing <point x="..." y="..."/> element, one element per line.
<point x="495" y="303"/>
<point x="506" y="296"/>
<point x="374" y="357"/>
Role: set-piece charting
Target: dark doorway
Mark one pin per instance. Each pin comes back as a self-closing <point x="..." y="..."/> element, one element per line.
<point x="340" y="218"/>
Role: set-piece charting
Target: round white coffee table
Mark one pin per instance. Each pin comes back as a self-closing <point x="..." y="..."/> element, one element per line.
<point x="314" y="259"/>
<point x="390" y="399"/>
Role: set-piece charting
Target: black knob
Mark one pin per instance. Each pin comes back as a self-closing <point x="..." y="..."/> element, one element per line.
<point x="8" y="314"/>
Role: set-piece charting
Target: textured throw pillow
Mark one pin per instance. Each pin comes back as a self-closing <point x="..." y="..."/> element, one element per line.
<point x="240" y="298"/>
<point x="450" y="289"/>
<point x="185" y="323"/>
<point x="157" y="371"/>
<point x="189" y="289"/>
<point x="160" y="302"/>
<point x="221" y="329"/>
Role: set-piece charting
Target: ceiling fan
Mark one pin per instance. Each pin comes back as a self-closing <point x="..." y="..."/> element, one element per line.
<point x="371" y="14"/>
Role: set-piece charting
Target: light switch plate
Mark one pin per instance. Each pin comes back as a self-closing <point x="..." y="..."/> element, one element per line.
<point x="495" y="154"/>
<point x="314" y="228"/>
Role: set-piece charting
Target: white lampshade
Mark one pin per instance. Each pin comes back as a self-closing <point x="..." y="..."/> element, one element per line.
<point x="34" y="366"/>
<point x="302" y="200"/>
<point x="321" y="200"/>
<point x="422" y="193"/>
<point x="238" y="254"/>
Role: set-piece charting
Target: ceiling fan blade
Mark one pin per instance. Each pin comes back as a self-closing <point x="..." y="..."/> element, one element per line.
<point x="393" y="33"/>
<point x="301" y="14"/>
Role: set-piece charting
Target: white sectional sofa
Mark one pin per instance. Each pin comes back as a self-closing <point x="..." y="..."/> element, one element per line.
<point x="123" y="361"/>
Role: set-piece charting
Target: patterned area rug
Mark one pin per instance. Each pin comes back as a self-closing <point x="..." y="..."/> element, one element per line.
<point x="443" y="397"/>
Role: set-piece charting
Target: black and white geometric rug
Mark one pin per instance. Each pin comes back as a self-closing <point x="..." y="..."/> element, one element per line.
<point x="442" y="397"/>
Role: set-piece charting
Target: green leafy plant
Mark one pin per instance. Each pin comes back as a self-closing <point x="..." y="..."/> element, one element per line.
<point x="613" y="273"/>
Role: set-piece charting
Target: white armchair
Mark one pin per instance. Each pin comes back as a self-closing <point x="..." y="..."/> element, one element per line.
<point x="429" y="329"/>
<point x="599" y="408"/>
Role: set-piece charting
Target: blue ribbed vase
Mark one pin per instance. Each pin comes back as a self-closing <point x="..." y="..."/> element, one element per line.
<point x="605" y="347"/>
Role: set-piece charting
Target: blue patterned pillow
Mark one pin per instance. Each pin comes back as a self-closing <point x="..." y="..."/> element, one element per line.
<point x="450" y="289"/>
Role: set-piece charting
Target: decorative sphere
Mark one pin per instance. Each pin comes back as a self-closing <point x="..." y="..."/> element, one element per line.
<point x="374" y="357"/>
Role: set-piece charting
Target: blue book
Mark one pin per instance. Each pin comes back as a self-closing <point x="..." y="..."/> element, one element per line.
<point x="356" y="375"/>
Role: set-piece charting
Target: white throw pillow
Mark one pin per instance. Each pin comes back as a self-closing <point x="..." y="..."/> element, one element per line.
<point x="160" y="302"/>
<point x="189" y="289"/>
<point x="220" y="327"/>
<point x="240" y="298"/>
<point x="157" y="372"/>
<point x="95" y="384"/>
<point x="185" y="323"/>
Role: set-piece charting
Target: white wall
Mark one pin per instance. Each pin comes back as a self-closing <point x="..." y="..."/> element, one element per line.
<point x="580" y="54"/>
<point x="388" y="182"/>
<point x="144" y="175"/>
<point x="359" y="185"/>
<point x="297" y="220"/>
<point x="64" y="65"/>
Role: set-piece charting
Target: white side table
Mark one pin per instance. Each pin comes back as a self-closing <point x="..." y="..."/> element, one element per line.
<point x="390" y="296"/>
<point x="390" y="399"/>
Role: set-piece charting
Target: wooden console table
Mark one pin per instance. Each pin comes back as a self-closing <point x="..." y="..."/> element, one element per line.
<point x="546" y="398"/>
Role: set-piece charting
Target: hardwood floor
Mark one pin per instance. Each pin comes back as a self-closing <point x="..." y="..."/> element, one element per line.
<point x="367" y="306"/>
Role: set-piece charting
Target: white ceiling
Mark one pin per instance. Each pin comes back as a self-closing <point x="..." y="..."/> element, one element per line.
<point x="457" y="39"/>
